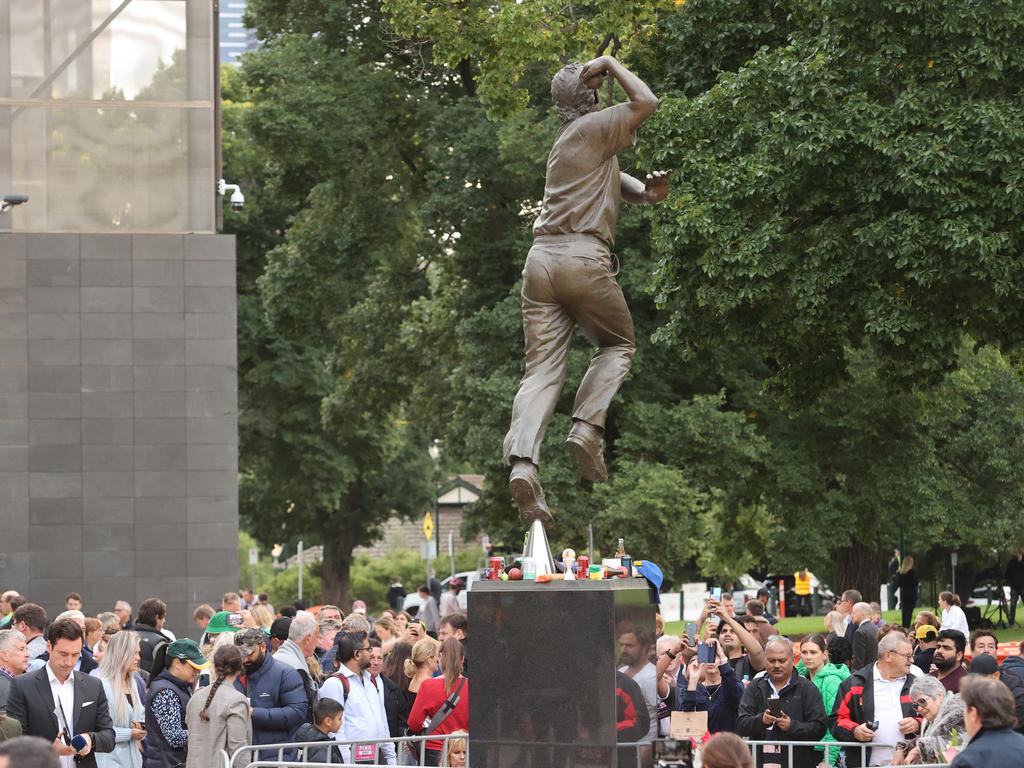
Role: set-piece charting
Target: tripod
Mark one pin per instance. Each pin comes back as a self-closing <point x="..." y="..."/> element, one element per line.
<point x="998" y="614"/>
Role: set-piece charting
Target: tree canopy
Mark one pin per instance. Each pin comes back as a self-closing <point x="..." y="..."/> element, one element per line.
<point x="820" y="305"/>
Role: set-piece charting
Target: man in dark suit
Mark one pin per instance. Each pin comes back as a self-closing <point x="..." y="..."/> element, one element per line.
<point x="865" y="637"/>
<point x="58" y="704"/>
<point x="845" y="605"/>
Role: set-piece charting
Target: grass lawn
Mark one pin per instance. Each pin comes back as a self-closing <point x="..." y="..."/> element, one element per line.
<point x="806" y="625"/>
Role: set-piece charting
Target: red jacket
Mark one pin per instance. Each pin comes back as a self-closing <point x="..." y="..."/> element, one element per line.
<point x="429" y="699"/>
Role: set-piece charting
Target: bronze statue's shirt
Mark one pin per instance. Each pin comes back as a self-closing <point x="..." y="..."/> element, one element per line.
<point x="582" y="187"/>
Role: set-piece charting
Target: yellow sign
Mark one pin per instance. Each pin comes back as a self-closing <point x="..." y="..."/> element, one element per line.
<point x="428" y="527"/>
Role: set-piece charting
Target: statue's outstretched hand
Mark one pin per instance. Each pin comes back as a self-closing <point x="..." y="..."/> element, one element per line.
<point x="656" y="186"/>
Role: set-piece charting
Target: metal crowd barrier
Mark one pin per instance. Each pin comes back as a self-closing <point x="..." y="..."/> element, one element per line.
<point x="790" y="745"/>
<point x="237" y="760"/>
<point x="255" y="755"/>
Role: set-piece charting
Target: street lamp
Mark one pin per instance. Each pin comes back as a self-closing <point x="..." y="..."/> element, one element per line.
<point x="435" y="455"/>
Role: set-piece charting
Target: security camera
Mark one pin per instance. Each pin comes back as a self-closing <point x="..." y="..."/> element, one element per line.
<point x="9" y="201"/>
<point x="237" y="198"/>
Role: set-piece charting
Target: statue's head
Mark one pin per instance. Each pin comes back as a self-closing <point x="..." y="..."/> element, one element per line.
<point x="572" y="97"/>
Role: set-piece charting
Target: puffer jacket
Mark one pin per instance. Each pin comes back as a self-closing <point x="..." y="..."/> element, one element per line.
<point x="325" y="754"/>
<point x="278" y="699"/>
<point x="1014" y="664"/>
<point x="149" y="639"/>
<point x="827" y="681"/>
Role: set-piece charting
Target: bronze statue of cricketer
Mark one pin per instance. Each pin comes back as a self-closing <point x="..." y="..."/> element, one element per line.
<point x="570" y="272"/>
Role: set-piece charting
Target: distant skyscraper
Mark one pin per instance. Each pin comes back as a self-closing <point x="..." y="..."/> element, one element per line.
<point x="235" y="39"/>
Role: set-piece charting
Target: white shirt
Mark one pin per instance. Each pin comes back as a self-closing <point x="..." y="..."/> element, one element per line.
<point x="888" y="713"/>
<point x="954" y="618"/>
<point x="365" y="717"/>
<point x="63" y="706"/>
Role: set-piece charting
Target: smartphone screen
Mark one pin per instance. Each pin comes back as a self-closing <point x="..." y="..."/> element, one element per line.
<point x="706" y="653"/>
<point x="691" y="633"/>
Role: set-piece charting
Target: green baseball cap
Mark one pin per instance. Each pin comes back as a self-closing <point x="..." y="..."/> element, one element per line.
<point x="225" y="621"/>
<point x="187" y="650"/>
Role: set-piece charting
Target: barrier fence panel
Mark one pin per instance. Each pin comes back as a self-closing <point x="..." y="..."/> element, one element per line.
<point x="275" y="754"/>
<point x="249" y="757"/>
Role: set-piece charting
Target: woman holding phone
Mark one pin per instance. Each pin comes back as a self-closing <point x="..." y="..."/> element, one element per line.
<point x="711" y="686"/>
<point x="127" y="709"/>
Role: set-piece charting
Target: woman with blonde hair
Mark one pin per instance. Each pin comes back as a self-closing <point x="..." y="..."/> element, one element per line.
<point x="218" y="716"/>
<point x="450" y="691"/>
<point x="458" y="746"/>
<point x="127" y="710"/>
<point x="387" y="632"/>
<point x="907" y="580"/>
<point x="264" y="618"/>
<point x="833" y="624"/>
<point x="420" y="665"/>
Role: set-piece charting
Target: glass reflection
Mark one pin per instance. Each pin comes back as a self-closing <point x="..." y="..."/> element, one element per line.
<point x="107" y="118"/>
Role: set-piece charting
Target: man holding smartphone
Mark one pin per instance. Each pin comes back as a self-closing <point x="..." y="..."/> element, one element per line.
<point x="734" y="639"/>
<point x="785" y="706"/>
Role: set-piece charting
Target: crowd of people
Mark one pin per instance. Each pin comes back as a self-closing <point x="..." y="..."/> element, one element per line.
<point x="905" y="693"/>
<point x="119" y="690"/>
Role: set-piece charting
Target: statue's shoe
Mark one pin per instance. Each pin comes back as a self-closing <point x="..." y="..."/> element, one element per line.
<point x="524" y="485"/>
<point x="584" y="444"/>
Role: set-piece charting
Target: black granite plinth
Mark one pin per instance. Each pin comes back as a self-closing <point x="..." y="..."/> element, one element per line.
<point x="544" y="658"/>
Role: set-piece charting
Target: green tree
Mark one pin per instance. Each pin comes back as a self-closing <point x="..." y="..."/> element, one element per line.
<point x="855" y="186"/>
<point x="841" y="231"/>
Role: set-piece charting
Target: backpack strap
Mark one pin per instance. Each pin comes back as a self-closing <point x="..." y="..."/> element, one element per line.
<point x="446" y="709"/>
<point x="341" y="678"/>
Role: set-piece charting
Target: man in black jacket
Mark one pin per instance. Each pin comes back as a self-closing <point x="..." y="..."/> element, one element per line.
<point x="149" y="625"/>
<point x="58" y="704"/>
<point x="989" y="720"/>
<point x="1015" y="578"/>
<point x="799" y="710"/>
<point x="986" y="664"/>
<point x="878" y="694"/>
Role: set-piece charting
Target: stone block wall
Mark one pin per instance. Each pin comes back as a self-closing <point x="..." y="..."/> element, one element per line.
<point x="118" y="419"/>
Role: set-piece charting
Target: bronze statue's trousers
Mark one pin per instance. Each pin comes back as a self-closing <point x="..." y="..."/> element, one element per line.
<point x="568" y="280"/>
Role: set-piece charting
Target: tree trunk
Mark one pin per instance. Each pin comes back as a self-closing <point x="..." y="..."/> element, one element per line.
<point x="335" y="573"/>
<point x="861" y="568"/>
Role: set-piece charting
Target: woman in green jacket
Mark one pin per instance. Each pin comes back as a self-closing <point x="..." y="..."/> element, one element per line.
<point x="816" y="667"/>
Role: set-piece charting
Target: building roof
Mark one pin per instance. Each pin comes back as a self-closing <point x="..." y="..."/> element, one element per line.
<point x="461" y="490"/>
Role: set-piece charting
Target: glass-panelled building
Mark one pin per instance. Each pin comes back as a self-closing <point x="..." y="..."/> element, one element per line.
<point x="118" y="357"/>
<point x="107" y="114"/>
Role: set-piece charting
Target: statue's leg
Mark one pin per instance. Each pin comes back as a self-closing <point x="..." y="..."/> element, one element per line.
<point x="547" y="327"/>
<point x="603" y="316"/>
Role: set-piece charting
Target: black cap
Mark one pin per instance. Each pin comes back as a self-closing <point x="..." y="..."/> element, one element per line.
<point x="983" y="664"/>
<point x="280" y="627"/>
